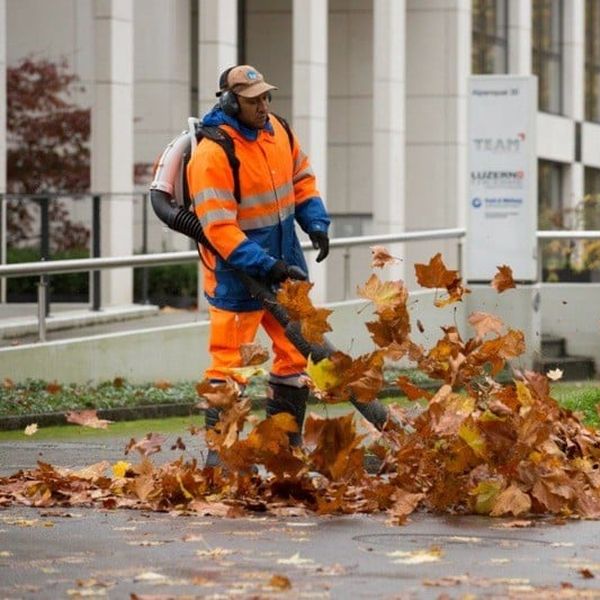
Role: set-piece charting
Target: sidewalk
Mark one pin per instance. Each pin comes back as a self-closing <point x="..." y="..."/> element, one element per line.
<point x="19" y="321"/>
<point x="73" y="551"/>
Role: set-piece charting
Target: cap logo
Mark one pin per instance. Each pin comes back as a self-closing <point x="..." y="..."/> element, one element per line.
<point x="252" y="75"/>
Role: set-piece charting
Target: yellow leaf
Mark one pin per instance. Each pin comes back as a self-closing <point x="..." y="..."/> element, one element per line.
<point x="31" y="429"/>
<point x="486" y="493"/>
<point x="323" y="374"/>
<point x="471" y="436"/>
<point x="120" y="468"/>
<point x="245" y="373"/>
<point x="523" y="394"/>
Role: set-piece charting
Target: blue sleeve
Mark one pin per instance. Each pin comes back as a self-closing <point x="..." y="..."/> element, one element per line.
<point x="251" y="258"/>
<point x="312" y="216"/>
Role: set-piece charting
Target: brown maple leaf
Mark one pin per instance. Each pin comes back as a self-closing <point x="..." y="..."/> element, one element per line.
<point x="151" y="444"/>
<point x="503" y="280"/>
<point x="53" y="387"/>
<point x="293" y="296"/>
<point x="485" y="323"/>
<point x="512" y="501"/>
<point x="435" y="274"/>
<point x="411" y="391"/>
<point x="385" y="295"/>
<point x="253" y="354"/>
<point x="86" y="418"/>
<point x="219" y="395"/>
<point x="381" y="257"/>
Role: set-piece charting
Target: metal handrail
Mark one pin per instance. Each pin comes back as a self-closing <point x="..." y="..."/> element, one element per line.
<point x="45" y="268"/>
<point x="575" y="234"/>
<point x="165" y="258"/>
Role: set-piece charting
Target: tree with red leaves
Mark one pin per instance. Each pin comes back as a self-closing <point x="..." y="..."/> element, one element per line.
<point x="48" y="147"/>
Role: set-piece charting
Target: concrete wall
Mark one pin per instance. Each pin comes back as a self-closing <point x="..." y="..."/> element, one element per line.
<point x="572" y="311"/>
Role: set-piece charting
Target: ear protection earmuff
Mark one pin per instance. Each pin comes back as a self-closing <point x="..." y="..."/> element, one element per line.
<point x="228" y="101"/>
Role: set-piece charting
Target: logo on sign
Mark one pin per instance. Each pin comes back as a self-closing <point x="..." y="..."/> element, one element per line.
<point x="476" y="202"/>
<point x="499" y="145"/>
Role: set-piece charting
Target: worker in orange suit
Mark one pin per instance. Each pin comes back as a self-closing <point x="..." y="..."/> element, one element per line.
<point x="252" y="228"/>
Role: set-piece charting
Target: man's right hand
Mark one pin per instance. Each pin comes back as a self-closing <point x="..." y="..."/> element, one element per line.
<point x="281" y="271"/>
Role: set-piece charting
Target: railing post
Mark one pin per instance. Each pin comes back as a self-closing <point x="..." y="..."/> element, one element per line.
<point x="42" y="303"/>
<point x="96" y="279"/>
<point x="3" y="244"/>
<point x="346" y="272"/>
<point x="45" y="247"/>
<point x="145" y="299"/>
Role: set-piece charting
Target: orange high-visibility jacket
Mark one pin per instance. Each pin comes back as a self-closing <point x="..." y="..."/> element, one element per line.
<point x="277" y="187"/>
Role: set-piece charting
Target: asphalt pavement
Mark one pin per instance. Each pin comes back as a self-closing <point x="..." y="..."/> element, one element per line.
<point x="90" y="552"/>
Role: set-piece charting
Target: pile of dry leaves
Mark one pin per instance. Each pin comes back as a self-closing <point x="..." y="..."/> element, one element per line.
<point x="476" y="446"/>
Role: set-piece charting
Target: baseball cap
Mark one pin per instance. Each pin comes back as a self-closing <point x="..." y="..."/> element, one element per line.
<point x="246" y="81"/>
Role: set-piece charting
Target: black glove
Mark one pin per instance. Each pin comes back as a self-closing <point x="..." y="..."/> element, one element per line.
<point x="281" y="271"/>
<point x="320" y="242"/>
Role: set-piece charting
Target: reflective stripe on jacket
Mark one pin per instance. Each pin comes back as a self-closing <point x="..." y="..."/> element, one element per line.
<point x="277" y="187"/>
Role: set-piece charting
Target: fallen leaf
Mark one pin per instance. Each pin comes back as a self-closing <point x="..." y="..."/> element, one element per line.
<point x="416" y="557"/>
<point x="150" y="576"/>
<point x="162" y="384"/>
<point x="281" y="582"/>
<point x="53" y="387"/>
<point x="586" y="574"/>
<point x="120" y="468"/>
<point x="295" y="560"/>
<point x="86" y="418"/>
<point x="31" y="429"/>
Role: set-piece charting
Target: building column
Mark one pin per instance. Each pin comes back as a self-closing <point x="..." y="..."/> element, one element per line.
<point x="519" y="37"/>
<point x="389" y="79"/>
<point x="2" y="144"/>
<point x="162" y="101"/>
<point x="573" y="90"/>
<point x="438" y="65"/>
<point x="309" y="101"/>
<point x="217" y="46"/>
<point x="112" y="140"/>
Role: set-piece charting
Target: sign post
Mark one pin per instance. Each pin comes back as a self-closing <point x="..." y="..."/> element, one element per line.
<point x="502" y="186"/>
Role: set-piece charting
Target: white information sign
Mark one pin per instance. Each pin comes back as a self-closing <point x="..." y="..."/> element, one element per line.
<point x="502" y="186"/>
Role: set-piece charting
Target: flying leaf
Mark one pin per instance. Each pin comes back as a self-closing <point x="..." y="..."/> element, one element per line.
<point x="381" y="257"/>
<point x="253" y="354"/>
<point x="411" y="391"/>
<point x="484" y="323"/>
<point x="219" y="395"/>
<point x="293" y="296"/>
<point x="435" y="274"/>
<point x="151" y="444"/>
<point x="87" y="418"/>
<point x="324" y="374"/>
<point x="31" y="429"/>
<point x="386" y="296"/>
<point x="243" y="374"/>
<point x="554" y="374"/>
<point x="503" y="280"/>
<point x="485" y="493"/>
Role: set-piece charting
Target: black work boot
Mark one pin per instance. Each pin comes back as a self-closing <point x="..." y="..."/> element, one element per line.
<point x="291" y="400"/>
<point x="211" y="418"/>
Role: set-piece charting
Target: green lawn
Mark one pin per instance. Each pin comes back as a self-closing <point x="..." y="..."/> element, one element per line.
<point x="581" y="397"/>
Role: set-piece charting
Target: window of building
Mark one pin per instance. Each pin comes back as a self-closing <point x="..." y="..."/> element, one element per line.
<point x="489" y="52"/>
<point x="591" y="201"/>
<point x="550" y="205"/>
<point x="547" y="20"/>
<point x="592" y="60"/>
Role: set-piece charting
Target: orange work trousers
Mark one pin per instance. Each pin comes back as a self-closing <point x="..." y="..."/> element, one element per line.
<point x="229" y="330"/>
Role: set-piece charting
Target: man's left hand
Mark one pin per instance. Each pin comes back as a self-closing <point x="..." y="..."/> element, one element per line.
<point x="320" y="242"/>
